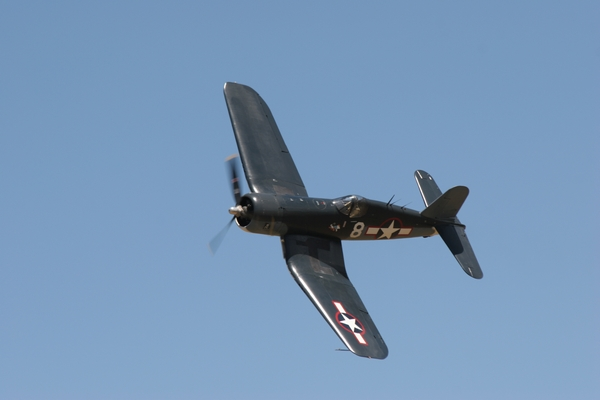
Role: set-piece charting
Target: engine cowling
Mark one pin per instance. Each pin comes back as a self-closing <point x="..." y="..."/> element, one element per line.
<point x="260" y="213"/>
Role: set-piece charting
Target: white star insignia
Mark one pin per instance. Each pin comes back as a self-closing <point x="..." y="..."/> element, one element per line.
<point x="389" y="231"/>
<point x="350" y="323"/>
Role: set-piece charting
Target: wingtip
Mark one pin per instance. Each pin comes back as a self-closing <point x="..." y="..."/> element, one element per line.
<point x="379" y="353"/>
<point x="234" y="87"/>
<point x="231" y="85"/>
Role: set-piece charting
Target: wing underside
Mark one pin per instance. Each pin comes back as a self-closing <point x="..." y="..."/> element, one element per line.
<point x="268" y="165"/>
<point x="317" y="265"/>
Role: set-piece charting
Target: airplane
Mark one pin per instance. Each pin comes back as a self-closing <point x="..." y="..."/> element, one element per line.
<point x="312" y="228"/>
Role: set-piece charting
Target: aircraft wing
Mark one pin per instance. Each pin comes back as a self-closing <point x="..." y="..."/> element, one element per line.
<point x="317" y="265"/>
<point x="267" y="162"/>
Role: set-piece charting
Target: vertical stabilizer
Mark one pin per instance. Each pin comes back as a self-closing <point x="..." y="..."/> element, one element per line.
<point x="427" y="186"/>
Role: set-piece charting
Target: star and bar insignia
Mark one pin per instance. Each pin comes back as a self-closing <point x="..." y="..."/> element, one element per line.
<point x="350" y="323"/>
<point x="388" y="229"/>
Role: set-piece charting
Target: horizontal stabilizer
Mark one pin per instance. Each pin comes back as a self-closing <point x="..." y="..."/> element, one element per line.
<point x="456" y="239"/>
<point x="447" y="205"/>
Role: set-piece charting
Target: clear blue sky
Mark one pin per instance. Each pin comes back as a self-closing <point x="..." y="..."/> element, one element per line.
<point x="113" y="133"/>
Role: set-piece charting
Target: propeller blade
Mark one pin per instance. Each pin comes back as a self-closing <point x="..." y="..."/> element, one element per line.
<point x="234" y="177"/>
<point x="214" y="244"/>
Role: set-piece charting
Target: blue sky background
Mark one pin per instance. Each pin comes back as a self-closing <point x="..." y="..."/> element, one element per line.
<point x="113" y="133"/>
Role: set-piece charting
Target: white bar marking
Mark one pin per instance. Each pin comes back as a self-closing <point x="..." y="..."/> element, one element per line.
<point x="340" y="307"/>
<point x="360" y="338"/>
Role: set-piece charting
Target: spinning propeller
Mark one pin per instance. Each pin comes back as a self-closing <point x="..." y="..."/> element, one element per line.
<point x="237" y="210"/>
<point x="234" y="177"/>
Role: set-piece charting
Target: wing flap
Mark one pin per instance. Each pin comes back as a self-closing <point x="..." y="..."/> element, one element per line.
<point x="268" y="165"/>
<point x="317" y="265"/>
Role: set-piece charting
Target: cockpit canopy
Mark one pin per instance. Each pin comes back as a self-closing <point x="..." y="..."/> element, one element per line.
<point x="353" y="206"/>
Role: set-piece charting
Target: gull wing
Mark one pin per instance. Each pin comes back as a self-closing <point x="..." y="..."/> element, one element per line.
<point x="268" y="165"/>
<point x="317" y="265"/>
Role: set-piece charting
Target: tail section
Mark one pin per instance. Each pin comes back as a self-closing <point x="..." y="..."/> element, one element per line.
<point x="443" y="208"/>
<point x="447" y="205"/>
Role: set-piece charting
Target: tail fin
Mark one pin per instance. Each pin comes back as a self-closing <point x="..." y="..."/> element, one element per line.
<point x="443" y="208"/>
<point x="427" y="186"/>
